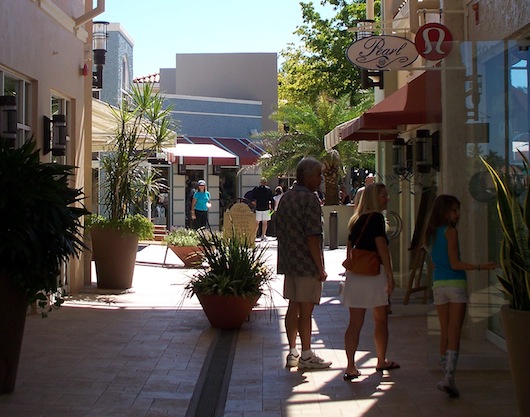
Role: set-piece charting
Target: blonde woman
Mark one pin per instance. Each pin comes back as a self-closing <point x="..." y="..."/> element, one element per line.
<point x="367" y="230"/>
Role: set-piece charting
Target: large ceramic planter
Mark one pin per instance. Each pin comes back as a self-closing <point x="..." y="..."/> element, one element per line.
<point x="114" y="254"/>
<point x="190" y="255"/>
<point x="226" y="312"/>
<point x="13" y="307"/>
<point x="516" y="325"/>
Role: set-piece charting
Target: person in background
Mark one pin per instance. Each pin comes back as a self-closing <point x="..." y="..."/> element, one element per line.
<point x="370" y="179"/>
<point x="278" y="193"/>
<point x="262" y="195"/>
<point x="301" y="259"/>
<point x="189" y="201"/>
<point x="344" y="196"/>
<point x="273" y="227"/>
<point x="449" y="283"/>
<point x="367" y="231"/>
<point x="200" y="205"/>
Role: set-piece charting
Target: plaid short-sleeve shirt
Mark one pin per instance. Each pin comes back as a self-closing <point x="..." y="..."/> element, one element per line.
<point x="299" y="215"/>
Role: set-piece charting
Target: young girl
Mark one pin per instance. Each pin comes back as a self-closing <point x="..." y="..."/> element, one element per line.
<point x="449" y="282"/>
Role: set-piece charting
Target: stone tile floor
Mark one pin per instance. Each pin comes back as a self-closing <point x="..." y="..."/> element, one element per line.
<point x="139" y="354"/>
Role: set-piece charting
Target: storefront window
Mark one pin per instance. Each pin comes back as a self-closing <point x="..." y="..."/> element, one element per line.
<point x="12" y="86"/>
<point x="504" y="113"/>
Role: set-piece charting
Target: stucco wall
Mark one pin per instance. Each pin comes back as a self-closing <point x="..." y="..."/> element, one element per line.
<point x="39" y="44"/>
<point x="244" y="76"/>
<point x="498" y="19"/>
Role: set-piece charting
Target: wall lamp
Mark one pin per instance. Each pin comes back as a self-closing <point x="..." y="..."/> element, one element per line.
<point x="99" y="47"/>
<point x="8" y="120"/>
<point x="54" y="135"/>
<point x="423" y="151"/>
<point x="369" y="78"/>
<point x="401" y="157"/>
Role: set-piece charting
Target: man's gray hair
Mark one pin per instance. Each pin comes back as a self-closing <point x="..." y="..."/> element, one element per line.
<point x="306" y="167"/>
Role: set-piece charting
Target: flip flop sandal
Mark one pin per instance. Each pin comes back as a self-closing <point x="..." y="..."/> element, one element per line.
<point x="351" y="377"/>
<point x="388" y="366"/>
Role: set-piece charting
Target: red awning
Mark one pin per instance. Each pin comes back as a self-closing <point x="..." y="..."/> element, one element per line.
<point x="247" y="152"/>
<point x="417" y="103"/>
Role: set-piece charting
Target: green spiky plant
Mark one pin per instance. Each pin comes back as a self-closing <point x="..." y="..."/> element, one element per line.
<point x="40" y="222"/>
<point x="233" y="266"/>
<point x="143" y="127"/>
<point x="514" y="218"/>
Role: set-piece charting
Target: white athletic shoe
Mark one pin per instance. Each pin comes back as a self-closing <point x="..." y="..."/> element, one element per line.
<point x="313" y="362"/>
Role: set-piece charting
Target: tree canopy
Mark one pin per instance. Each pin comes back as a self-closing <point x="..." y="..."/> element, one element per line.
<point x="319" y="64"/>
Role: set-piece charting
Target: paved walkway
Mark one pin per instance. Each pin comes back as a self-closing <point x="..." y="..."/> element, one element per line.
<point x="150" y="352"/>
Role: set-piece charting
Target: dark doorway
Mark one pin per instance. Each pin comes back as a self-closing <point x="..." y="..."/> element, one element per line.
<point x="192" y="176"/>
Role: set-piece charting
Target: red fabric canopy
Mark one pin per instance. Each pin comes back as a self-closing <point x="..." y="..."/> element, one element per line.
<point x="418" y="102"/>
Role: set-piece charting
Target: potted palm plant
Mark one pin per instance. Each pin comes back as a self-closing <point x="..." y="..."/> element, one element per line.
<point x="40" y="229"/>
<point x="185" y="244"/>
<point x="233" y="277"/>
<point x="514" y="217"/>
<point x="143" y="127"/>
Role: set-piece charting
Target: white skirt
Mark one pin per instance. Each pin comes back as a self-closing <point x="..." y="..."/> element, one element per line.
<point x="361" y="291"/>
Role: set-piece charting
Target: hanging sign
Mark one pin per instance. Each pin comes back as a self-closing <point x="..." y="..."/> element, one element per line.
<point x="433" y="41"/>
<point x="383" y="52"/>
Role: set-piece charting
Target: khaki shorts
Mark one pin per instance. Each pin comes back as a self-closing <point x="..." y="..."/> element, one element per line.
<point x="302" y="289"/>
<point x="264" y="216"/>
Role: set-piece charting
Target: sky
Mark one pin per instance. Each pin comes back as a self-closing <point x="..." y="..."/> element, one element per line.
<point x="163" y="28"/>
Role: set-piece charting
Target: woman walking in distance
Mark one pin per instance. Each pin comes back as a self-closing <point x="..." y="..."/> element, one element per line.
<point x="449" y="283"/>
<point x="367" y="231"/>
<point x="200" y="204"/>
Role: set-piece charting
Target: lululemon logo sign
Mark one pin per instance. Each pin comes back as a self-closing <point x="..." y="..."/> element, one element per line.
<point x="433" y="41"/>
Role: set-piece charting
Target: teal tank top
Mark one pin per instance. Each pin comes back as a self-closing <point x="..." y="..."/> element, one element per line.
<point x="443" y="274"/>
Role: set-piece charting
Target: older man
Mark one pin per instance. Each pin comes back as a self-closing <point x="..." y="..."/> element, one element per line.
<point x="301" y="259"/>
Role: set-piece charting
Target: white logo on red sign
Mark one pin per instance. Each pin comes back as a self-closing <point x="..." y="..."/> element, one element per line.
<point x="433" y="41"/>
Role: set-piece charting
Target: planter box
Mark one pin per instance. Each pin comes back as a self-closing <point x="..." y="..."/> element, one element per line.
<point x="190" y="255"/>
<point x="114" y="254"/>
<point x="226" y="312"/>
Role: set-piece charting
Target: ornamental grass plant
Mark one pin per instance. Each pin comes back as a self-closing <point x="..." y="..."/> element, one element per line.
<point x="233" y="266"/>
<point x="514" y="217"/>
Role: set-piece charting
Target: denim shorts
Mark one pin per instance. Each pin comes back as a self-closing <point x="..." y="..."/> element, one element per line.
<point x="444" y="295"/>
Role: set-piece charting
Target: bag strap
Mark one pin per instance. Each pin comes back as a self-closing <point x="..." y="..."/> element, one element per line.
<point x="362" y="230"/>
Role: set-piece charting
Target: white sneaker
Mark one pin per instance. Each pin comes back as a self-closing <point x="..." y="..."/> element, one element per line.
<point x="449" y="387"/>
<point x="313" y="362"/>
<point x="292" y="360"/>
<point x="264" y="238"/>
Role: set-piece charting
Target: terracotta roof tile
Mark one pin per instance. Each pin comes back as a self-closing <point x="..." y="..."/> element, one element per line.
<point x="151" y="78"/>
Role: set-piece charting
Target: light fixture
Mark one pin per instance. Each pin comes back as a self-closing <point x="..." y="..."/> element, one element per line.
<point x="423" y="151"/>
<point x="399" y="157"/>
<point x="99" y="47"/>
<point x="8" y="119"/>
<point x="365" y="29"/>
<point x="369" y="78"/>
<point x="56" y="141"/>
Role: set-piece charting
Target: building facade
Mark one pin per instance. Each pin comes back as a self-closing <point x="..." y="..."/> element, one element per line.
<point x="45" y="64"/>
<point x="441" y="115"/>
